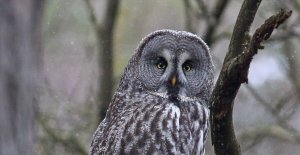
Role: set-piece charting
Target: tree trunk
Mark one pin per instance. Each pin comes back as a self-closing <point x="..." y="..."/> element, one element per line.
<point x="20" y="59"/>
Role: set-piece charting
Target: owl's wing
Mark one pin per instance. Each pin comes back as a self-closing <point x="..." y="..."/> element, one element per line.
<point x="97" y="138"/>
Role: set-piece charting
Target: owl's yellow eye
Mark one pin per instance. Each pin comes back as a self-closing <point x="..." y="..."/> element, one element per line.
<point x="187" y="66"/>
<point x="161" y="65"/>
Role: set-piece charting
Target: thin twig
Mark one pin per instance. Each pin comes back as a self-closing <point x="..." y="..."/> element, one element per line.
<point x="213" y="22"/>
<point x="203" y="8"/>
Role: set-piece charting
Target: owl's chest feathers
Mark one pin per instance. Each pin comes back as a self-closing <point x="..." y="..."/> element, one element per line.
<point x="146" y="106"/>
<point x="156" y="123"/>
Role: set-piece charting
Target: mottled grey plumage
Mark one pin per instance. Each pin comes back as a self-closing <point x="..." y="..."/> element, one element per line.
<point x="161" y="105"/>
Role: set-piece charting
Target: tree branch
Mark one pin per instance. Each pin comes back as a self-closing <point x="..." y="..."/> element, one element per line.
<point x="104" y="35"/>
<point x="215" y="20"/>
<point x="92" y="15"/>
<point x="203" y="9"/>
<point x="188" y="16"/>
<point x="105" y="40"/>
<point x="235" y="71"/>
<point x="223" y="137"/>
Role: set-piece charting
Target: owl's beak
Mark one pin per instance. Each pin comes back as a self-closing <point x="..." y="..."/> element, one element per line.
<point x="173" y="81"/>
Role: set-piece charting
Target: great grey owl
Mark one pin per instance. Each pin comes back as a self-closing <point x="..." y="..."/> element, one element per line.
<point x="161" y="104"/>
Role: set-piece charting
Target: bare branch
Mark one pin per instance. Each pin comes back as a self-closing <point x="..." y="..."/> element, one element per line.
<point x="104" y="36"/>
<point x="188" y="16"/>
<point x="92" y="15"/>
<point x="203" y="8"/>
<point x="264" y="31"/>
<point x="213" y="23"/>
<point x="105" y="40"/>
<point x="223" y="137"/>
<point x="213" y="19"/>
<point x="235" y="71"/>
<point x="261" y="34"/>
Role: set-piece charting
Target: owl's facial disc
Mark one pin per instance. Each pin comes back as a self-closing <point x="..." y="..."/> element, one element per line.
<point x="174" y="67"/>
<point x="166" y="71"/>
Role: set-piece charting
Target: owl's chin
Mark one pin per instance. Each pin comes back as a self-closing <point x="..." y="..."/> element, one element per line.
<point x="174" y="99"/>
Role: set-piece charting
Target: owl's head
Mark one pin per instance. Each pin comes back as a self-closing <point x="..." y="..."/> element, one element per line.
<point x="175" y="65"/>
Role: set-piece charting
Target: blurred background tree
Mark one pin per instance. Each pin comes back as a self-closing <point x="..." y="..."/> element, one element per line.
<point x="20" y="65"/>
<point x="266" y="113"/>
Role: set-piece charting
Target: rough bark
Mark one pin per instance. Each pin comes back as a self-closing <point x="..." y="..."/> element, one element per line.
<point x="234" y="72"/>
<point x="20" y="60"/>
